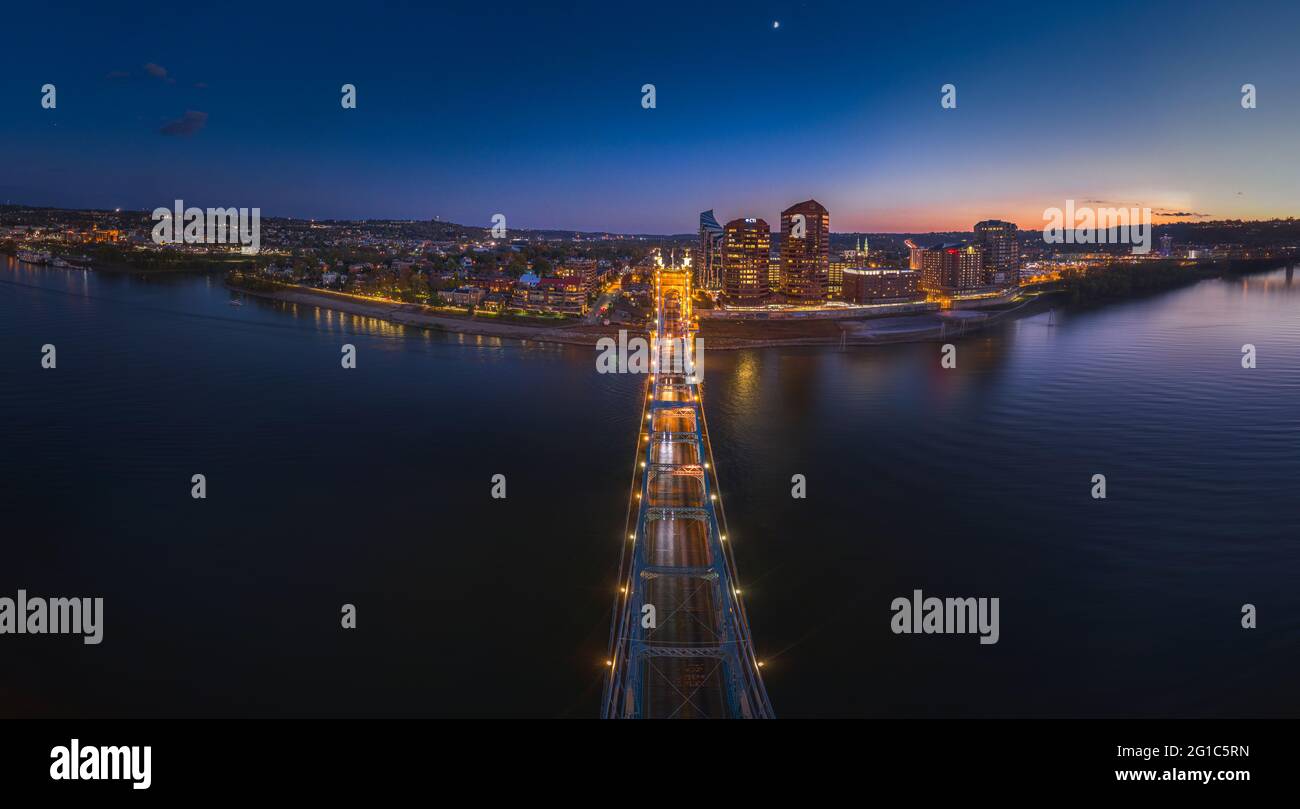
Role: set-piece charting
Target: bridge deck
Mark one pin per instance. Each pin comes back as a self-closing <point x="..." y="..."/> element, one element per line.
<point x="692" y="656"/>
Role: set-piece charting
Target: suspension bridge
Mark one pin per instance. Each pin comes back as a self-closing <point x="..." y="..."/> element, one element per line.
<point x="679" y="645"/>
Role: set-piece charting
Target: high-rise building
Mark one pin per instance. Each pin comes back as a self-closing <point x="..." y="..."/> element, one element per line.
<point x="1166" y="245"/>
<point x="997" y="240"/>
<point x="708" y="261"/>
<point x="745" y="247"/>
<point x="952" y="268"/>
<point x="805" y="251"/>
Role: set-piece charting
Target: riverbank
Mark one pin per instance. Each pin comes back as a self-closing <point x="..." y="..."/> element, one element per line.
<point x="720" y="334"/>
<point x="426" y="317"/>
<point x="877" y="330"/>
<point x="717" y="334"/>
<point x="1127" y="282"/>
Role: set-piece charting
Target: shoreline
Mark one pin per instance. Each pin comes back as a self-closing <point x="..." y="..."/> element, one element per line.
<point x="420" y="316"/>
<point x="858" y="332"/>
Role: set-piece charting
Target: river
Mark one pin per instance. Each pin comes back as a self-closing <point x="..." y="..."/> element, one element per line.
<point x="371" y="486"/>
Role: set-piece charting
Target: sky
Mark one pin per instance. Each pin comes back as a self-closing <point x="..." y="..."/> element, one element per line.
<point x="535" y="110"/>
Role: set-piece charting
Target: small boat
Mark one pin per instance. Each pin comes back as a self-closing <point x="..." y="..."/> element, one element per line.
<point x="234" y="302"/>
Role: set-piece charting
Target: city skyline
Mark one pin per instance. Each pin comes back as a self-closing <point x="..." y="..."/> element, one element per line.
<point x="471" y="127"/>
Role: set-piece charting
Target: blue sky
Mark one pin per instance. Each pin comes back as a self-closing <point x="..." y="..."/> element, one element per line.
<point x="534" y="110"/>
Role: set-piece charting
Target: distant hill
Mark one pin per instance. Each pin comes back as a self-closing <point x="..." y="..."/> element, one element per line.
<point x="1247" y="233"/>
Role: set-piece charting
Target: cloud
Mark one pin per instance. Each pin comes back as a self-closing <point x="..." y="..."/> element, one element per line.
<point x="158" y="72"/>
<point x="186" y="125"/>
<point x="1165" y="212"/>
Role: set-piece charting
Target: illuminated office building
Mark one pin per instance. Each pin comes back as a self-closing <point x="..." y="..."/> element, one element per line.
<point x="997" y="240"/>
<point x="745" y="247"/>
<point x="805" y="256"/>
